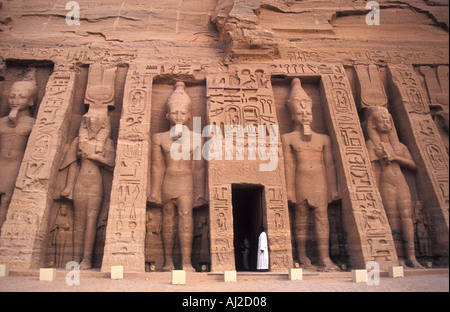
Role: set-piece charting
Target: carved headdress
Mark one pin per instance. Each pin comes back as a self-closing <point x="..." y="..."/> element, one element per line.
<point x="374" y="113"/>
<point x="28" y="82"/>
<point x="299" y="99"/>
<point x="179" y="97"/>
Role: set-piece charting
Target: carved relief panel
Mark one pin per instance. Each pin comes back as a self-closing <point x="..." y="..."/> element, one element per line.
<point x="125" y="232"/>
<point x="221" y="214"/>
<point x="241" y="105"/>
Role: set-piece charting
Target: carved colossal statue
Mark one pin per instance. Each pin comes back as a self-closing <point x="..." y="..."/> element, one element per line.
<point x="14" y="132"/>
<point x="175" y="183"/>
<point x="310" y="177"/>
<point x="88" y="153"/>
<point x="388" y="155"/>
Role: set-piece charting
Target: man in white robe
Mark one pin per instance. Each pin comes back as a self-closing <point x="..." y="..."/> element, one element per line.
<point x="263" y="252"/>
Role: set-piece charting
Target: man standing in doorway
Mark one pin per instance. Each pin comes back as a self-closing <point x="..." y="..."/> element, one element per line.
<point x="263" y="252"/>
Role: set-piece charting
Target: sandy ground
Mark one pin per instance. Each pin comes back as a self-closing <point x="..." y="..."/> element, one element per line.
<point x="207" y="292"/>
<point x="202" y="282"/>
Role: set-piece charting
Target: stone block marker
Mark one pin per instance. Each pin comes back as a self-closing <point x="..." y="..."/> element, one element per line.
<point x="47" y="275"/>
<point x="116" y="272"/>
<point x="359" y="276"/>
<point x="4" y="270"/>
<point x="396" y="271"/>
<point x="296" y="274"/>
<point x="178" y="277"/>
<point x="230" y="276"/>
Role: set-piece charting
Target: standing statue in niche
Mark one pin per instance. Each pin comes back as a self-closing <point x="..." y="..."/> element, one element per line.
<point x="177" y="185"/>
<point x="421" y="227"/>
<point x="14" y="132"/>
<point x="88" y="153"/>
<point x="388" y="156"/>
<point x="61" y="235"/>
<point x="310" y="177"/>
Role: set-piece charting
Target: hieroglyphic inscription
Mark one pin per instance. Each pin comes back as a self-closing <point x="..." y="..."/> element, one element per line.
<point x="125" y="240"/>
<point x="36" y="163"/>
<point x="301" y="69"/>
<point x="65" y="56"/>
<point x="221" y="214"/>
<point x="361" y="198"/>
<point x="172" y="69"/>
<point x="278" y="227"/>
<point x="351" y="56"/>
<point x="415" y="100"/>
<point x="243" y="97"/>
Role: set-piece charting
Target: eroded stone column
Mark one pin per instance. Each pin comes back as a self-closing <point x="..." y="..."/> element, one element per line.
<point x="125" y="234"/>
<point x="24" y="233"/>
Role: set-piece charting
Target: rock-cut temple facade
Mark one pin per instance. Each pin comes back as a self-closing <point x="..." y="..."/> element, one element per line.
<point x="162" y="135"/>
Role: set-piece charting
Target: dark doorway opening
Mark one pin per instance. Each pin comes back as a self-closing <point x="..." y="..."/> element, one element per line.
<point x="248" y="219"/>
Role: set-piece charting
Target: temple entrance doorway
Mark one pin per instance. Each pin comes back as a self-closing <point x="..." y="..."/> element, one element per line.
<point x="248" y="220"/>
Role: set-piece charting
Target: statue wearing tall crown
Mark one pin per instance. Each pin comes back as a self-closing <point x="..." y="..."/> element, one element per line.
<point x="310" y="178"/>
<point x="178" y="183"/>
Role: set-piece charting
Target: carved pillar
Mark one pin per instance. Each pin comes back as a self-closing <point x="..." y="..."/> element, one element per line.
<point x="369" y="235"/>
<point x="239" y="98"/>
<point x="125" y="234"/>
<point x="221" y="232"/>
<point x="410" y="109"/>
<point x="23" y="236"/>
